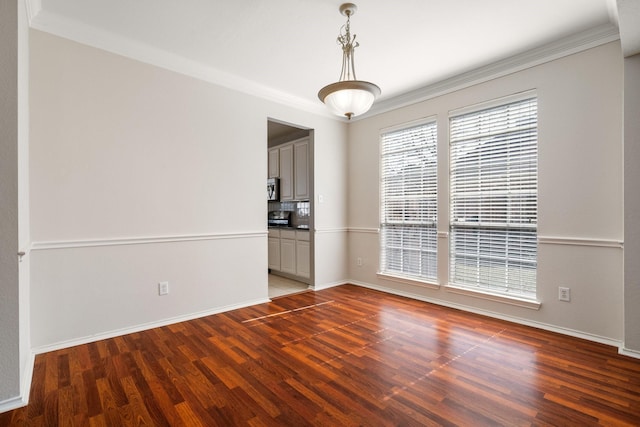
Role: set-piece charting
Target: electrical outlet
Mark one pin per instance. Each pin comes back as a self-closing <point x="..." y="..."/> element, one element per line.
<point x="163" y="288"/>
<point x="564" y="294"/>
<point x="359" y="262"/>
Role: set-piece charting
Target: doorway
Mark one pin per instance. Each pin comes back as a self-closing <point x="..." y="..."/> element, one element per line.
<point x="290" y="215"/>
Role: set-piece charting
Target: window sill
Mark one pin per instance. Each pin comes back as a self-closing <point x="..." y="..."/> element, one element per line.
<point x="520" y="302"/>
<point x="409" y="281"/>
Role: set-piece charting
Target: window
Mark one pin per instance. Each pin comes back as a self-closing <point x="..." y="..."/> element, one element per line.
<point x="409" y="202"/>
<point x="493" y="196"/>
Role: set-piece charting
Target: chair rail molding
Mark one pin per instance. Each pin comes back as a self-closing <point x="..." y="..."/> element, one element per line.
<point x="38" y="246"/>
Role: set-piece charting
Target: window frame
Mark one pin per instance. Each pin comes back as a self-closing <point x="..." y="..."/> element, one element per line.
<point x="530" y="300"/>
<point x="396" y="275"/>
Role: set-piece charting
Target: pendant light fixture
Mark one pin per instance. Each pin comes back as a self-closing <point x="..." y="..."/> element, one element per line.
<point x="349" y="96"/>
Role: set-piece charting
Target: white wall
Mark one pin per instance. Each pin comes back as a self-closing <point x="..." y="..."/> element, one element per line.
<point x="141" y="175"/>
<point x="632" y="203"/>
<point x="330" y="178"/>
<point x="580" y="192"/>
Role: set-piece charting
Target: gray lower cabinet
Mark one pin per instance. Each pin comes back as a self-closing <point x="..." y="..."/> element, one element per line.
<point x="274" y="252"/>
<point x="303" y="254"/>
<point x="289" y="252"/>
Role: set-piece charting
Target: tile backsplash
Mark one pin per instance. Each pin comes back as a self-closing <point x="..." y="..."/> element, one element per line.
<point x="300" y="211"/>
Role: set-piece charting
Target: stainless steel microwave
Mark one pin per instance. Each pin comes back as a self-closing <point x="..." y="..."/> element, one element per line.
<point x="273" y="189"/>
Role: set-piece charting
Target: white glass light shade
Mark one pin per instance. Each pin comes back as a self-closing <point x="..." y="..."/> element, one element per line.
<point x="350" y="97"/>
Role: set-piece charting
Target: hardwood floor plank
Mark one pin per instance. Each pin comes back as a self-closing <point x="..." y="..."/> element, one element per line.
<point x="295" y="408"/>
<point x="51" y="374"/>
<point x="152" y="403"/>
<point x="98" y="421"/>
<point x="92" y="397"/>
<point x="50" y="415"/>
<point x="345" y="356"/>
<point x="404" y="409"/>
<point x="201" y="394"/>
<point x="258" y="397"/>
<point x="188" y="417"/>
<point x="158" y="389"/>
<point x="109" y="407"/>
<point x="139" y="411"/>
<point x="66" y="414"/>
<point x="36" y="397"/>
<point x="329" y="408"/>
<point x="586" y="412"/>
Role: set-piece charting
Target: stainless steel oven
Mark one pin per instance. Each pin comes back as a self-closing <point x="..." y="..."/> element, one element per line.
<point x="279" y="219"/>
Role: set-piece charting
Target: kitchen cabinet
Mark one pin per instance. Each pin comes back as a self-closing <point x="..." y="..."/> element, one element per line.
<point x="290" y="163"/>
<point x="274" y="163"/>
<point x="303" y="254"/>
<point x="288" y="251"/>
<point x="301" y="169"/>
<point x="274" y="249"/>
<point x="286" y="172"/>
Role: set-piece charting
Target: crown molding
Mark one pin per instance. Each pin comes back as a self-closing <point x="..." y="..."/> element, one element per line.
<point x="33" y="8"/>
<point x="628" y="14"/>
<point x="568" y="46"/>
<point x="95" y="37"/>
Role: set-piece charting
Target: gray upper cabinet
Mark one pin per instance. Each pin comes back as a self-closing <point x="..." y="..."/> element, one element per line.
<point x="274" y="163"/>
<point x="290" y="163"/>
<point x="286" y="172"/>
<point x="301" y="169"/>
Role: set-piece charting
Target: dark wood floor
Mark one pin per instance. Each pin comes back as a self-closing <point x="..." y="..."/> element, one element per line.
<point x="338" y="357"/>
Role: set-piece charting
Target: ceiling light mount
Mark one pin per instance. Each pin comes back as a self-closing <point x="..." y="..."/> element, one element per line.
<point x="348" y="9"/>
<point x="349" y="96"/>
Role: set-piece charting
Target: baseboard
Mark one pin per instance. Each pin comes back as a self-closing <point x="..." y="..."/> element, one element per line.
<point x="628" y="352"/>
<point x="539" y="325"/>
<point x="319" y="287"/>
<point x="13" y="403"/>
<point x="144" y="326"/>
<point x="25" y="388"/>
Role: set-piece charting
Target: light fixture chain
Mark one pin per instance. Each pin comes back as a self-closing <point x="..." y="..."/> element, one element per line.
<point x="348" y="43"/>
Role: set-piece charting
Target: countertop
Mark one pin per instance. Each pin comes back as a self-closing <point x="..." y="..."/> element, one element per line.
<point x="289" y="227"/>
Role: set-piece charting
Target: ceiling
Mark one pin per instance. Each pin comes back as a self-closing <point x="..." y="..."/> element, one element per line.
<point x="278" y="133"/>
<point x="286" y="50"/>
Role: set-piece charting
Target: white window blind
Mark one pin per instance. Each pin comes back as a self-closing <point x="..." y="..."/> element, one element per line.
<point x="493" y="195"/>
<point x="409" y="202"/>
